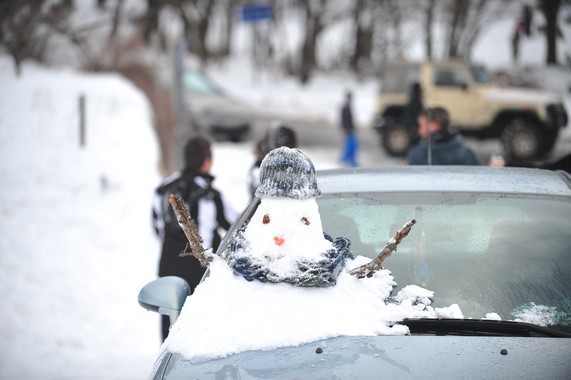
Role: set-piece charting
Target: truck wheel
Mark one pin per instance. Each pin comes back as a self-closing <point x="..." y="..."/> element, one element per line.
<point x="396" y="140"/>
<point x="521" y="139"/>
<point x="549" y="140"/>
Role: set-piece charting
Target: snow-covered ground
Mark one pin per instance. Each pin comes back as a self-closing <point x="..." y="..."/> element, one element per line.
<point x="75" y="239"/>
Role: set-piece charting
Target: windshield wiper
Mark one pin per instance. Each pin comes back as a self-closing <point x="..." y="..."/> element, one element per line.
<point x="480" y="327"/>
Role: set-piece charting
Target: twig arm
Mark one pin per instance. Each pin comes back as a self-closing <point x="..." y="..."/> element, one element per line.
<point x="190" y="230"/>
<point x="370" y="268"/>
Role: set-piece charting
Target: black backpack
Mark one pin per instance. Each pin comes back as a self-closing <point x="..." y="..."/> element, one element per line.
<point x="190" y="192"/>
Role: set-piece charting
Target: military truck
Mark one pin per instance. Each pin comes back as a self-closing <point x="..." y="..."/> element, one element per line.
<point x="527" y="121"/>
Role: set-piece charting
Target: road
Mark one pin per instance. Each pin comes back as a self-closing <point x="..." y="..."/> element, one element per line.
<point x="321" y="134"/>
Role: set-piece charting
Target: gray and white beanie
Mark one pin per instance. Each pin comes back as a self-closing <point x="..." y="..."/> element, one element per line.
<point x="287" y="173"/>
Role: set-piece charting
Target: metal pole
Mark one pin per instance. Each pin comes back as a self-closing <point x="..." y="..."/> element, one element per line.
<point x="180" y="104"/>
<point x="82" y="120"/>
<point x="429" y="139"/>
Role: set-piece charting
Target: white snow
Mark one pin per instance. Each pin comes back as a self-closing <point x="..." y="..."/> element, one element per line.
<point x="75" y="239"/>
<point x="284" y="221"/>
<point x="76" y="243"/>
<point x="262" y="316"/>
<point x="537" y="314"/>
<point x="493" y="316"/>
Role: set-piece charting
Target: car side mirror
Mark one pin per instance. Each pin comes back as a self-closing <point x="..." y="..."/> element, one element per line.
<point x="463" y="86"/>
<point x="165" y="295"/>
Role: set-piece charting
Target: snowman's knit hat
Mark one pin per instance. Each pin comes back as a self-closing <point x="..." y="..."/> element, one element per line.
<point x="287" y="173"/>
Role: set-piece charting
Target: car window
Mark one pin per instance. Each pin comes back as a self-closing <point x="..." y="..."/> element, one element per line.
<point x="199" y="84"/>
<point x="449" y="78"/>
<point x="481" y="75"/>
<point x="399" y="79"/>
<point x="518" y="247"/>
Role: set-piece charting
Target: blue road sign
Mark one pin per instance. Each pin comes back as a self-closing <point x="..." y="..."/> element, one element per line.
<point x="257" y="12"/>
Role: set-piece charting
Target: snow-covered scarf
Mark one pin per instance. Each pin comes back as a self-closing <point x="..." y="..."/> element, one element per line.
<point x="310" y="273"/>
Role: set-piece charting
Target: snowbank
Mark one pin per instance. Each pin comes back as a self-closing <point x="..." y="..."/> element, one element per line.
<point x="75" y="236"/>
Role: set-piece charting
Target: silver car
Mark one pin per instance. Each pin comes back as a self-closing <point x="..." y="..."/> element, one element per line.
<point x="214" y="112"/>
<point x="485" y="239"/>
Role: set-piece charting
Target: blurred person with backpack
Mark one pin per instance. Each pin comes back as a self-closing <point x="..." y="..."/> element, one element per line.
<point x="205" y="204"/>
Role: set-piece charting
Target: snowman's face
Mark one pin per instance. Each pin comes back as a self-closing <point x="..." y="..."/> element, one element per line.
<point x="286" y="228"/>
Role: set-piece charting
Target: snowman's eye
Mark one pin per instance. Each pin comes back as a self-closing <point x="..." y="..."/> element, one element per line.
<point x="266" y="219"/>
<point x="305" y="221"/>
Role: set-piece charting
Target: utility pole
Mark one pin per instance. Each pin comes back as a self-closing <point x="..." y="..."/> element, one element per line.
<point x="182" y="128"/>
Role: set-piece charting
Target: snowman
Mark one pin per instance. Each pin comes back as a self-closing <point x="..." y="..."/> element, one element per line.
<point x="284" y="240"/>
<point x="284" y="245"/>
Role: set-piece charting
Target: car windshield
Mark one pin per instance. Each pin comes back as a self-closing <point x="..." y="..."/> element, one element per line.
<point x="399" y="79"/>
<point x="199" y="84"/>
<point x="481" y="75"/>
<point x="488" y="254"/>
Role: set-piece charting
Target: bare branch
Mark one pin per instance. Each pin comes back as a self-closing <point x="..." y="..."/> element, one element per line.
<point x="189" y="227"/>
<point x="370" y="268"/>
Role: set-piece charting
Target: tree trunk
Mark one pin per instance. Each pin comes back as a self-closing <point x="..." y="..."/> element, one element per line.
<point x="313" y="26"/>
<point x="550" y="10"/>
<point x="428" y="28"/>
<point x="225" y="51"/>
<point x="363" y="39"/>
<point x="459" y="12"/>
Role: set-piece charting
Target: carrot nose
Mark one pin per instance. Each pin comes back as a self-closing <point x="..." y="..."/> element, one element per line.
<point x="279" y="240"/>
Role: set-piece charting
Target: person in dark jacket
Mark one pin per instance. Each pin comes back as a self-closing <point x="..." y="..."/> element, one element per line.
<point x="413" y="109"/>
<point x="206" y="206"/>
<point x="350" y="144"/>
<point x="439" y="145"/>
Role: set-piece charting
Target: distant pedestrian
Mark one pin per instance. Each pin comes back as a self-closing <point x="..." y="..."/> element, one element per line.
<point x="439" y="145"/>
<point x="351" y="143"/>
<point x="277" y="136"/>
<point x="516" y="37"/>
<point x="413" y="108"/>
<point x="411" y="112"/>
<point x="206" y="205"/>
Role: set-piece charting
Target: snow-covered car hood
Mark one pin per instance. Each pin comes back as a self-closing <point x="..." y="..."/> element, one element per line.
<point x="395" y="357"/>
<point x="522" y="95"/>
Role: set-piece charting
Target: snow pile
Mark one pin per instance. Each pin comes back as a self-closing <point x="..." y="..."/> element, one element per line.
<point x="537" y="314"/>
<point x="228" y="314"/>
<point x="75" y="239"/>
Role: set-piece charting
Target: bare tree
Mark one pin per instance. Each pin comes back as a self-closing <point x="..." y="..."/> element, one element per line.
<point x="197" y="17"/>
<point x="458" y="12"/>
<point x="465" y="19"/>
<point x="362" y="19"/>
<point x="27" y="26"/>
<point x="428" y="24"/>
<point x="550" y="9"/>
<point x="314" y="24"/>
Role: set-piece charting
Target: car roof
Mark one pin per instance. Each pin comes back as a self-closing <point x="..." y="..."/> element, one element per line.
<point x="445" y="179"/>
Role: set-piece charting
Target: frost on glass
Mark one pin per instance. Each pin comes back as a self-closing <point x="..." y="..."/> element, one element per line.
<point x="544" y="315"/>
